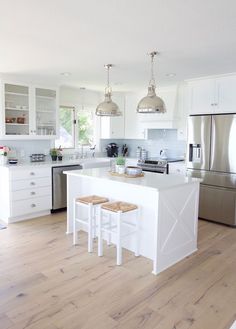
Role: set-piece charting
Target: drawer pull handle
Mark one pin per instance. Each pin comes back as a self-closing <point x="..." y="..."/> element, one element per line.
<point x="32" y="183"/>
<point x="32" y="193"/>
<point x="32" y="173"/>
<point x="33" y="205"/>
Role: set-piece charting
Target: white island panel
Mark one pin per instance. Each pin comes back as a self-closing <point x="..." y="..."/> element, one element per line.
<point x="169" y="210"/>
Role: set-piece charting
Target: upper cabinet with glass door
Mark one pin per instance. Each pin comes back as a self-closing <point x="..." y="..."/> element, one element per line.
<point x="16" y="110"/>
<point x="28" y="112"/>
<point x="46" y="111"/>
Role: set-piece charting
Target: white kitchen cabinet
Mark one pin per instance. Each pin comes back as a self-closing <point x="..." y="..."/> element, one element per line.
<point x="177" y="168"/>
<point x="113" y="127"/>
<point x="28" y="111"/>
<point x="226" y="94"/>
<point x="27" y="193"/>
<point x="46" y="111"/>
<point x="213" y="95"/>
<point x="134" y="129"/>
<point x="202" y="96"/>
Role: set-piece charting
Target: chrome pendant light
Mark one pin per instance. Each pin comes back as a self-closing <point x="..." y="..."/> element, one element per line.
<point x="108" y="108"/>
<point x="151" y="103"/>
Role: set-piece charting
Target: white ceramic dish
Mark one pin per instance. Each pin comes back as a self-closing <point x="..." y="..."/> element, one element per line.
<point x="133" y="171"/>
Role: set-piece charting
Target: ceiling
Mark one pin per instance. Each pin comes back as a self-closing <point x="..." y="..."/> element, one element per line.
<point x="42" y="38"/>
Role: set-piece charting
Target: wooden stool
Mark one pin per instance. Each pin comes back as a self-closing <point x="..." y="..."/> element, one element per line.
<point x="90" y="202"/>
<point x="117" y="210"/>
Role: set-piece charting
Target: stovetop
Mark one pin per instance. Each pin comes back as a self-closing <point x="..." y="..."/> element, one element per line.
<point x="155" y="160"/>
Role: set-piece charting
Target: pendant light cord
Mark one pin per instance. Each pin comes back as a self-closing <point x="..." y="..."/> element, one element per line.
<point x="108" y="88"/>
<point x="152" y="80"/>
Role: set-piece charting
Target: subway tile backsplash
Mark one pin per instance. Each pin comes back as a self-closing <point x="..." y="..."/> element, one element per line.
<point x="158" y="139"/>
<point x="22" y="149"/>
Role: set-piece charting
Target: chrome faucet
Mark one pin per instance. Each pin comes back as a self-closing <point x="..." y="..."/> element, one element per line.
<point x="92" y="148"/>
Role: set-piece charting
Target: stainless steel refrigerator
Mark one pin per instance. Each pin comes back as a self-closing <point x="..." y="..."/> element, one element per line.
<point x="211" y="155"/>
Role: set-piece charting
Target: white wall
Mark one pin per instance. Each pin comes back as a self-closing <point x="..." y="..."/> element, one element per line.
<point x="70" y="96"/>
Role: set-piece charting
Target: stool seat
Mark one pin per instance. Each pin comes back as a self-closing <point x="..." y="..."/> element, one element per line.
<point x="93" y="199"/>
<point x="119" y="206"/>
<point x="91" y="203"/>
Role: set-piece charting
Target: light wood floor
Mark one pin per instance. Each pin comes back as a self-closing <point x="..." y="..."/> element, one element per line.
<point x="46" y="283"/>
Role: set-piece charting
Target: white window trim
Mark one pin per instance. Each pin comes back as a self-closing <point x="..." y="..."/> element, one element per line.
<point x="78" y="146"/>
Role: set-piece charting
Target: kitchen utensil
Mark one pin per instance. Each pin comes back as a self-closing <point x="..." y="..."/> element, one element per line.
<point x="144" y="154"/>
<point x="125" y="150"/>
<point x="40" y="157"/>
<point x="112" y="150"/>
<point x="163" y="154"/>
<point x="138" y="152"/>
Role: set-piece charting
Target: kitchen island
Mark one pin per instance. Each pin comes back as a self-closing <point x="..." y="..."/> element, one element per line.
<point x="169" y="210"/>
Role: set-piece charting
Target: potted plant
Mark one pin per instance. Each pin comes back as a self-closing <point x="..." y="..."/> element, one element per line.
<point x="4" y="150"/>
<point x="53" y="153"/>
<point x="59" y="153"/>
<point x="120" y="165"/>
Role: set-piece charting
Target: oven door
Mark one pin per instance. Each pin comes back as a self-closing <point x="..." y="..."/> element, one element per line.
<point x="157" y="170"/>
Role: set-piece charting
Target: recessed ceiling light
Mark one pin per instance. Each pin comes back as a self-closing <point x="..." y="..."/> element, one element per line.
<point x="171" y="75"/>
<point x="66" y="74"/>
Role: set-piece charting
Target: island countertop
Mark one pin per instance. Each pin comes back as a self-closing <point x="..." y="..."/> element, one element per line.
<point x="149" y="180"/>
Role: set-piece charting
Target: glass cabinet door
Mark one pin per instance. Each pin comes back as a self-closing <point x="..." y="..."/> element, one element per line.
<point x="45" y="107"/>
<point x="16" y="109"/>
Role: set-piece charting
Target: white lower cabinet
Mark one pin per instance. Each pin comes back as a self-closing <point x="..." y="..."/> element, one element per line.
<point x="177" y="168"/>
<point x="32" y="183"/>
<point x="30" y="206"/>
<point x="29" y="193"/>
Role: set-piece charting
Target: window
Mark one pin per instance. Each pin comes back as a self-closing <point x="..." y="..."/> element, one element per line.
<point x="76" y="127"/>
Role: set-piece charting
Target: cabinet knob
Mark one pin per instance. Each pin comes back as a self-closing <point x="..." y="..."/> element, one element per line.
<point x="32" y="193"/>
<point x="33" y="205"/>
<point x="32" y="173"/>
<point x="32" y="183"/>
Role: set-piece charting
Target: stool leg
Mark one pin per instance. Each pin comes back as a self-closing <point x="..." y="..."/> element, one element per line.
<point x="75" y="233"/>
<point x="109" y="227"/>
<point x="100" y="245"/>
<point x="90" y="228"/>
<point x="118" y="244"/>
<point x="94" y="223"/>
<point x="137" y="224"/>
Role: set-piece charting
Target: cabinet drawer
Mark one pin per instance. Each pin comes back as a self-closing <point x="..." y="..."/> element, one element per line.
<point x="24" y="207"/>
<point x="31" y="193"/>
<point x="30" y="183"/>
<point x="19" y="174"/>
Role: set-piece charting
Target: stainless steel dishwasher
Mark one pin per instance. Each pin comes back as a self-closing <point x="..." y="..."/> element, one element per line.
<point x="59" y="186"/>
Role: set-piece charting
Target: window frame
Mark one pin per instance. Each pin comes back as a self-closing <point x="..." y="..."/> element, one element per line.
<point x="75" y="127"/>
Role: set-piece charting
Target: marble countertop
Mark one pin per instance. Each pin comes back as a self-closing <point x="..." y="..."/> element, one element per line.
<point x="149" y="180"/>
<point x="58" y="163"/>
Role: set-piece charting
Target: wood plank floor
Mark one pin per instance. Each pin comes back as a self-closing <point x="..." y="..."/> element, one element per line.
<point x="46" y="283"/>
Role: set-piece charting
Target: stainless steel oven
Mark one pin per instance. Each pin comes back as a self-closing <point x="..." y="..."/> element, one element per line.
<point x="156" y="166"/>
